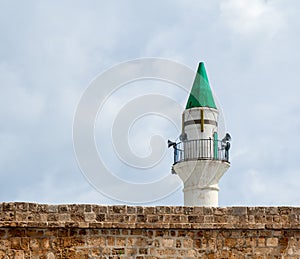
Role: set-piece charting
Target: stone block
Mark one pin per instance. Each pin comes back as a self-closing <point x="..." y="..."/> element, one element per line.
<point x="19" y="254"/>
<point x="52" y="208"/>
<point x="272" y="241"/>
<point x="8" y="206"/>
<point x="42" y="208"/>
<point x="34" y="244"/>
<point x="188" y="210"/>
<point x="62" y="208"/>
<point x="139" y="210"/>
<point x="131" y="210"/>
<point x="152" y="218"/>
<point x="89" y="216"/>
<point x="230" y="242"/>
<point x="130" y="251"/>
<point x="168" y="242"/>
<point x="75" y="208"/>
<point x="100" y="209"/>
<point x="88" y="208"/>
<point x="149" y="210"/>
<point x="284" y="210"/>
<point x="160" y="209"/>
<point x="64" y="217"/>
<point x="187" y="243"/>
<point x="261" y="242"/>
<point x="221" y="211"/>
<point x="7" y="216"/>
<point x="77" y="217"/>
<point x="96" y="241"/>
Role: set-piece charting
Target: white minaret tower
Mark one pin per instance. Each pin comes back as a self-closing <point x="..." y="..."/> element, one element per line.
<point x="200" y="159"/>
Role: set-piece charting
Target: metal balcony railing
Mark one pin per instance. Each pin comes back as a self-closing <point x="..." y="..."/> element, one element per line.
<point x="201" y="149"/>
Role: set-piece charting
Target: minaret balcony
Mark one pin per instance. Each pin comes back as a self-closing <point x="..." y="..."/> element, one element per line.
<point x="201" y="149"/>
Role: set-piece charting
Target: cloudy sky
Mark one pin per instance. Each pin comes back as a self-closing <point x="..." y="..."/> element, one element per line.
<point x="50" y="51"/>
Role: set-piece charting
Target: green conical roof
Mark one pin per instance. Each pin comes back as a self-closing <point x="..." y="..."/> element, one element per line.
<point x="201" y="95"/>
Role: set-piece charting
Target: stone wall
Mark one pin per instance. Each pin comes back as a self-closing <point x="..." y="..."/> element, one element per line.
<point x="29" y="230"/>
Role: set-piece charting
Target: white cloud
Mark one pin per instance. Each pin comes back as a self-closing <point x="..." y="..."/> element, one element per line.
<point x="21" y="106"/>
<point x="251" y="18"/>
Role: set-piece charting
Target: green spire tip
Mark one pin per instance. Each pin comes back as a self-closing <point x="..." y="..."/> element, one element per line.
<point x="201" y="95"/>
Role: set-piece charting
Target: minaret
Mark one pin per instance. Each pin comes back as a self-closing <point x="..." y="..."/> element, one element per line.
<point x="200" y="159"/>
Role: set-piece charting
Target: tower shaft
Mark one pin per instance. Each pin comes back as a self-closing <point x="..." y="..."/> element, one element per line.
<point x="200" y="159"/>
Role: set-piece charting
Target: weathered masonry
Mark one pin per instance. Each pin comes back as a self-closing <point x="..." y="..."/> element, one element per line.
<point x="29" y="230"/>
